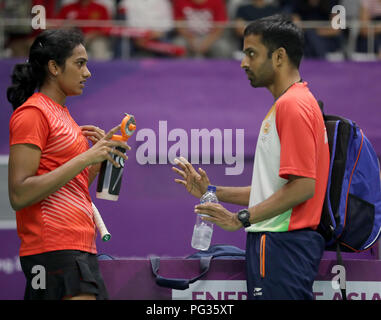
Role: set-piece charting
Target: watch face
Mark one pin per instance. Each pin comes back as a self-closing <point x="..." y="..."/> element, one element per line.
<point x="243" y="214"/>
<point x="244" y="217"/>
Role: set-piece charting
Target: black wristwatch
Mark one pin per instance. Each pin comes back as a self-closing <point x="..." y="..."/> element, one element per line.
<point x="244" y="216"/>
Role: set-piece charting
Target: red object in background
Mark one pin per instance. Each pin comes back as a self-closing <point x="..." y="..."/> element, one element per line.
<point x="152" y="45"/>
<point x="92" y="11"/>
<point x="214" y="10"/>
<point x="165" y="48"/>
<point x="49" y="5"/>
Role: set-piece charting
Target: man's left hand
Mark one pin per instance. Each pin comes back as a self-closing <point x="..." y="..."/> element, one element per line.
<point x="218" y="215"/>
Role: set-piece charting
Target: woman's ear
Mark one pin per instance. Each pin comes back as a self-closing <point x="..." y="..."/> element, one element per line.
<point x="53" y="67"/>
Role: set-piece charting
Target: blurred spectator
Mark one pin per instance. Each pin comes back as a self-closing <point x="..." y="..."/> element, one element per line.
<point x="352" y="9"/>
<point x="319" y="41"/>
<point x="51" y="7"/>
<point x="155" y="16"/>
<point x="287" y="6"/>
<point x="16" y="37"/>
<point x="110" y="5"/>
<point x="350" y="34"/>
<point x="202" y="27"/>
<point x="232" y="6"/>
<point x="254" y="10"/>
<point x="370" y="11"/>
<point x="96" y="41"/>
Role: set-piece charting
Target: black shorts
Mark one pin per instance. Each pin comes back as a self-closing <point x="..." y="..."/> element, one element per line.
<point x="62" y="274"/>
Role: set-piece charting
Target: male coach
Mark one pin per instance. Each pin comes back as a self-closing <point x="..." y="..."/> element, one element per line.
<point x="285" y="199"/>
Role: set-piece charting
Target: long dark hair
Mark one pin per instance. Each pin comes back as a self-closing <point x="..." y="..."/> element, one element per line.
<point x="26" y="77"/>
<point x="279" y="31"/>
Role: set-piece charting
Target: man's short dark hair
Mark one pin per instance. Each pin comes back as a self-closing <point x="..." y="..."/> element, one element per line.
<point x="278" y="31"/>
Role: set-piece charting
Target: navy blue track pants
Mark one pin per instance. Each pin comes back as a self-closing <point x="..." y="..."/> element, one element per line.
<point x="282" y="265"/>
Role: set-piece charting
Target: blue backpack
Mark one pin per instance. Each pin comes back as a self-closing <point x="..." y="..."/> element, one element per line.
<point x="351" y="215"/>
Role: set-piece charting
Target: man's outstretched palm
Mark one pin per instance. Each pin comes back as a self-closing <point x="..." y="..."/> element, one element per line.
<point x="195" y="183"/>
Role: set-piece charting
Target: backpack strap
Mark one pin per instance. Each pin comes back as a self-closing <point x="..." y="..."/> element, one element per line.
<point x="217" y="251"/>
<point x="179" y="284"/>
<point x="339" y="260"/>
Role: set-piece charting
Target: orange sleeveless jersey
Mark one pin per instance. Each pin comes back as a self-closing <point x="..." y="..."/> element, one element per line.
<point x="64" y="220"/>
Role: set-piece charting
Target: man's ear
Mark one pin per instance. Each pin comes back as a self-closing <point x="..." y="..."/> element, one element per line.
<point x="279" y="56"/>
<point x="53" y="67"/>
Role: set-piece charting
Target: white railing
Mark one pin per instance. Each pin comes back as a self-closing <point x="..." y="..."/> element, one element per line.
<point x="120" y="28"/>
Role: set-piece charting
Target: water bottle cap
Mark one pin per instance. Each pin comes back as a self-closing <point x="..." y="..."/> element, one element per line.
<point x="212" y="188"/>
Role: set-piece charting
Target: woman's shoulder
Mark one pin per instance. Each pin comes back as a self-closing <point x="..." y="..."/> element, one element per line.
<point x="32" y="109"/>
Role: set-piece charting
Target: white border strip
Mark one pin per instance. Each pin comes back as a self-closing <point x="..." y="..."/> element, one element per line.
<point x="4" y="159"/>
<point x="6" y="224"/>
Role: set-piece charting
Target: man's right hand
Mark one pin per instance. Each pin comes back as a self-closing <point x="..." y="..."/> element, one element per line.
<point x="195" y="183"/>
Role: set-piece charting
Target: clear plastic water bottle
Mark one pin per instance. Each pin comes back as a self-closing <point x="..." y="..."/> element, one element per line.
<point x="203" y="230"/>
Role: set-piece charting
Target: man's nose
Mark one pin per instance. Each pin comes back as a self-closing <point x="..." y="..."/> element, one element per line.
<point x="244" y="63"/>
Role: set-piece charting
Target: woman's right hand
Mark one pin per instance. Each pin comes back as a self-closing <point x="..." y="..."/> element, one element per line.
<point x="27" y="188"/>
<point x="195" y="183"/>
<point x="103" y="149"/>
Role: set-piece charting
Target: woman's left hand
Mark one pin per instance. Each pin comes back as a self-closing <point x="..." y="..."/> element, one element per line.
<point x="93" y="133"/>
